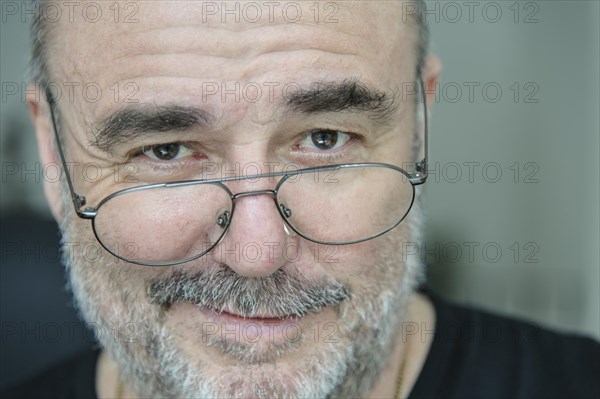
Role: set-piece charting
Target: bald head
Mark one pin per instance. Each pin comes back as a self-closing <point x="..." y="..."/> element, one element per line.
<point x="49" y="15"/>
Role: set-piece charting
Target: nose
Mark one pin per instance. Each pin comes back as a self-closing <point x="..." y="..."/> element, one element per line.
<point x="255" y="243"/>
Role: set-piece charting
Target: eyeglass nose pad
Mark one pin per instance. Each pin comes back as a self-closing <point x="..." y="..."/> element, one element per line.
<point x="288" y="231"/>
<point x="287" y="212"/>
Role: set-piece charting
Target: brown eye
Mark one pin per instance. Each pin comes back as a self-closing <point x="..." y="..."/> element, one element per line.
<point x="167" y="151"/>
<point x="325" y="140"/>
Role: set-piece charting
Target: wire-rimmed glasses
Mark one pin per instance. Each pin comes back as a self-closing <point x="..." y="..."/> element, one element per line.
<point x="184" y="220"/>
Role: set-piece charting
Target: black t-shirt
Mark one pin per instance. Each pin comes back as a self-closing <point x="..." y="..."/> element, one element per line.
<point x="474" y="354"/>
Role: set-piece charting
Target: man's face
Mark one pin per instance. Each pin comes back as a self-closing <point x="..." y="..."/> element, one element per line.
<point x="233" y="76"/>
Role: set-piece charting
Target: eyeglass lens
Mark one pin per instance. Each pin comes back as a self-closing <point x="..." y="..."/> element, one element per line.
<point x="337" y="206"/>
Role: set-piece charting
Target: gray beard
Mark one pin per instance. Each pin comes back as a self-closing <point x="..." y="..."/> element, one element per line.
<point x="154" y="365"/>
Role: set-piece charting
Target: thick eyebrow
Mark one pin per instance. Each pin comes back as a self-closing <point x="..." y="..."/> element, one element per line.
<point x="134" y="120"/>
<point x="347" y="95"/>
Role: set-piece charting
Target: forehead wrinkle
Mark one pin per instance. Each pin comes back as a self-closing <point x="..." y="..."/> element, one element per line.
<point x="231" y="44"/>
<point x="240" y="69"/>
<point x="355" y="25"/>
<point x="228" y="46"/>
<point x="231" y="61"/>
<point x="196" y="54"/>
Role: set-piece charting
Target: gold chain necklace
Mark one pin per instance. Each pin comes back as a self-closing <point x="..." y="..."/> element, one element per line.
<point x="400" y="378"/>
<point x="119" y="389"/>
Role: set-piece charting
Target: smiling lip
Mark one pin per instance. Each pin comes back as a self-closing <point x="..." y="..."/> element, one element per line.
<point x="232" y="317"/>
<point x="230" y="327"/>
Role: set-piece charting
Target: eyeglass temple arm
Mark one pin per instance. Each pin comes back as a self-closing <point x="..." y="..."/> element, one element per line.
<point x="78" y="200"/>
<point x="421" y="166"/>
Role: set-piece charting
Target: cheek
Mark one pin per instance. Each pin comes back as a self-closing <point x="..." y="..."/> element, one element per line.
<point x="374" y="263"/>
<point x="102" y="282"/>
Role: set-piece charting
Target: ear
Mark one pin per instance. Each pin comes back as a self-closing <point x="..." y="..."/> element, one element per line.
<point x="431" y="74"/>
<point x="40" y="116"/>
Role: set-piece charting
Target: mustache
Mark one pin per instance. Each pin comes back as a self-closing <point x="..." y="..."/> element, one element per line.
<point x="281" y="294"/>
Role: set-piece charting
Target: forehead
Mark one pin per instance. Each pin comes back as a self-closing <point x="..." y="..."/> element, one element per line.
<point x="159" y="49"/>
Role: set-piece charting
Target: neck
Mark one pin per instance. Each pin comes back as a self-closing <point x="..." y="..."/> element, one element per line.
<point x="409" y="349"/>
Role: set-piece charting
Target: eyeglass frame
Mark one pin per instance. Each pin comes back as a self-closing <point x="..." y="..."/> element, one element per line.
<point x="90" y="213"/>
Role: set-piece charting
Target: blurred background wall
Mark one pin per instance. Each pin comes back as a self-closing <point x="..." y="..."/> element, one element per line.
<point x="528" y="139"/>
<point x="512" y="198"/>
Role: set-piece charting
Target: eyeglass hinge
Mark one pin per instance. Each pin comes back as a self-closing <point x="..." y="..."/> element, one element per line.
<point x="88" y="213"/>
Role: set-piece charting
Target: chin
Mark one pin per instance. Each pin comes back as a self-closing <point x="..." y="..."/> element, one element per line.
<point x="232" y="368"/>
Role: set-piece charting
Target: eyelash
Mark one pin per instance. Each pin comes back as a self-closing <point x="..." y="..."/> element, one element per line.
<point x="141" y="150"/>
<point x="160" y="166"/>
<point x="328" y="155"/>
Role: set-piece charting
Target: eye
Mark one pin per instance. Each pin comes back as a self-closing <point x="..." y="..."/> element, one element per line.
<point x="325" y="140"/>
<point x="167" y="151"/>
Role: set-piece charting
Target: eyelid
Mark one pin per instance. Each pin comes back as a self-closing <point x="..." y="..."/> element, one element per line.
<point x="142" y="149"/>
<point x="350" y="138"/>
